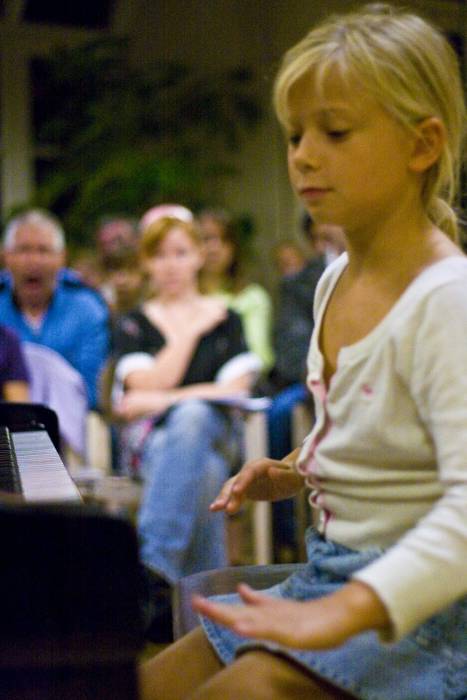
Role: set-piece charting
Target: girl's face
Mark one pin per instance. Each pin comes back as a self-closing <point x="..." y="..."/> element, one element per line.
<point x="349" y="160"/>
<point x="175" y="264"/>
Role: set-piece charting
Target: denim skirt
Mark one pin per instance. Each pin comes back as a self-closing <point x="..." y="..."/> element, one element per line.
<point x="428" y="664"/>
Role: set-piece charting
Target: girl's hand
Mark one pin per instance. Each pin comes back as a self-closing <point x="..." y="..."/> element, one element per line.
<point x="261" y="480"/>
<point x="323" y="623"/>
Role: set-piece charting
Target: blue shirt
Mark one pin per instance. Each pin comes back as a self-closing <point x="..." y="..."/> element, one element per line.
<point x="76" y="325"/>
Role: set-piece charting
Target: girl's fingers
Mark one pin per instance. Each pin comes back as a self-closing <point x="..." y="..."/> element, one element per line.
<point x="252" y="597"/>
<point x="222" y="500"/>
<point x="230" y="505"/>
<point x="244" y="620"/>
<point x="233" y="492"/>
<point x="244" y="478"/>
<point x="236" y="489"/>
<point x="224" y="614"/>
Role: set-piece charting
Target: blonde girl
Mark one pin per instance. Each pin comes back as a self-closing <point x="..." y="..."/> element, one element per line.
<point x="372" y="106"/>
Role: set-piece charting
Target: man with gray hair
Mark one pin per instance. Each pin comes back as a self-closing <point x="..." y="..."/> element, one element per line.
<point x="47" y="304"/>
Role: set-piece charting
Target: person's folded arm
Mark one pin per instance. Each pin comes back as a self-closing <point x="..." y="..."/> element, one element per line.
<point x="136" y="403"/>
<point x="173" y="359"/>
<point x="167" y="370"/>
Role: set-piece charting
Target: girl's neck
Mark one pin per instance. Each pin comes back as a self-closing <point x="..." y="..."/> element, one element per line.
<point x="408" y="244"/>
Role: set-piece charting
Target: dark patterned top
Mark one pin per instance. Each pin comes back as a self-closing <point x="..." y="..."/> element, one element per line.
<point x="135" y="333"/>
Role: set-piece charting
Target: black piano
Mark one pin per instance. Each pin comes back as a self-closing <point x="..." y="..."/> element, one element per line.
<point x="70" y="624"/>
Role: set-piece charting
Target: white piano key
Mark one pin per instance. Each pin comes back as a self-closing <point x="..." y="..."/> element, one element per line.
<point x="43" y="475"/>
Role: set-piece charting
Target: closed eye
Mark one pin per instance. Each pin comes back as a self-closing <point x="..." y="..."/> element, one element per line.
<point x="294" y="139"/>
<point x="338" y="134"/>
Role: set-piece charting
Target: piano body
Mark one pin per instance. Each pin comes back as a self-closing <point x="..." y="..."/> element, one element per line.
<point x="69" y="578"/>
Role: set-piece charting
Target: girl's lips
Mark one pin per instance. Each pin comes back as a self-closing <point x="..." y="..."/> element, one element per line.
<point x="311" y="193"/>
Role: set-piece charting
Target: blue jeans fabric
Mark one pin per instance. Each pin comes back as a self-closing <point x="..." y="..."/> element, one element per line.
<point x="183" y="470"/>
<point x="429" y="664"/>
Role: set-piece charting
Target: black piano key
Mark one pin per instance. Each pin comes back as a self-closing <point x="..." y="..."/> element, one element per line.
<point x="10" y="480"/>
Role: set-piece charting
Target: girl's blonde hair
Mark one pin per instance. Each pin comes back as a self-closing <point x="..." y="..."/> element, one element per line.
<point x="408" y="67"/>
<point x="153" y="235"/>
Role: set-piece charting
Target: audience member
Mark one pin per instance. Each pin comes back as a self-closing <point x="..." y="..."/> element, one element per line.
<point x="177" y="354"/>
<point x="126" y="280"/>
<point x="327" y="240"/>
<point x="178" y="211"/>
<point x="87" y="266"/>
<point x="114" y="236"/>
<point x="223" y="275"/>
<point x="114" y="233"/>
<point x="13" y="372"/>
<point x="294" y="319"/>
<point x="47" y="304"/>
<point x="292" y="332"/>
<point x="289" y="258"/>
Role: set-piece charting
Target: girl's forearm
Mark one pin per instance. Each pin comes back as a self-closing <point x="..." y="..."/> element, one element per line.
<point x="362" y="608"/>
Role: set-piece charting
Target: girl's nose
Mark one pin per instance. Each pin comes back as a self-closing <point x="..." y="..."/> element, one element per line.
<point x="304" y="155"/>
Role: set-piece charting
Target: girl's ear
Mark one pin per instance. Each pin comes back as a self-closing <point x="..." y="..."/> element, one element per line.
<point x="429" y="140"/>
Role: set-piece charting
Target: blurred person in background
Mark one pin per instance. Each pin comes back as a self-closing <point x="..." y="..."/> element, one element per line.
<point x="13" y="372"/>
<point x="289" y="258"/>
<point x="177" y="211"/>
<point x="223" y="275"/>
<point x="126" y="278"/>
<point x="88" y="268"/>
<point x="114" y="236"/>
<point x="326" y="240"/>
<point x="176" y="355"/>
<point x="114" y="233"/>
<point x="292" y="332"/>
<point x="293" y="323"/>
<point x="48" y="305"/>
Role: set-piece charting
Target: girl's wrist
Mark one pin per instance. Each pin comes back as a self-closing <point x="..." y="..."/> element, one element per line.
<point x="365" y="608"/>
